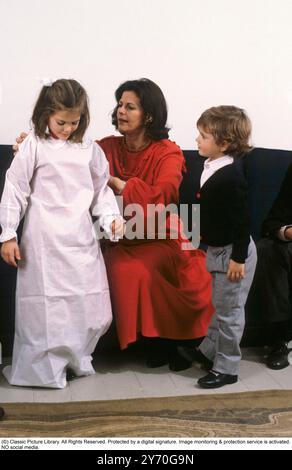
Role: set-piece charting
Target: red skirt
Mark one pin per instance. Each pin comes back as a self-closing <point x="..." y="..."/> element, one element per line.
<point x="158" y="290"/>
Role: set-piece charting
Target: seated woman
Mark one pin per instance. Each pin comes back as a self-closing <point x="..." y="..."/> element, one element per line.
<point x="158" y="289"/>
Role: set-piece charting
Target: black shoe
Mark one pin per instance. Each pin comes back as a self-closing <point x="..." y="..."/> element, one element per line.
<point x="216" y="379"/>
<point x="278" y="357"/>
<point x="2" y="413"/>
<point x="157" y="352"/>
<point x="177" y="361"/>
<point x="199" y="357"/>
<point x="158" y="361"/>
<point x="161" y="352"/>
<point x="70" y="375"/>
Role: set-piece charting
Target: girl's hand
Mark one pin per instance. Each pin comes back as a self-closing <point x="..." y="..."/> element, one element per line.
<point x="236" y="271"/>
<point x="118" y="228"/>
<point x="10" y="252"/>
<point x="116" y="184"/>
<point x="19" y="140"/>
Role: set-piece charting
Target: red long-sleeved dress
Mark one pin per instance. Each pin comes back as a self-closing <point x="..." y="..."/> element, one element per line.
<point x="157" y="289"/>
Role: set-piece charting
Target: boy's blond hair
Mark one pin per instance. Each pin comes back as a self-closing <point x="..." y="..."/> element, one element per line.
<point x="228" y="124"/>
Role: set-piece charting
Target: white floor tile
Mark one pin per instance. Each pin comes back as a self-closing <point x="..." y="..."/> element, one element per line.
<point x="255" y="376"/>
<point x="283" y="377"/>
<point x="51" y="395"/>
<point x="156" y="382"/>
<point x="92" y="387"/>
<point x="123" y="384"/>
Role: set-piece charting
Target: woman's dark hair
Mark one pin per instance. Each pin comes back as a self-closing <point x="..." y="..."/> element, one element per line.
<point x="153" y="104"/>
<point x="62" y="95"/>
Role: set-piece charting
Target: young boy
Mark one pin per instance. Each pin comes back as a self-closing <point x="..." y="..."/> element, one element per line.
<point x="224" y="132"/>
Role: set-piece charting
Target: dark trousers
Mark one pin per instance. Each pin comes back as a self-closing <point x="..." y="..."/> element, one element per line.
<point x="270" y="299"/>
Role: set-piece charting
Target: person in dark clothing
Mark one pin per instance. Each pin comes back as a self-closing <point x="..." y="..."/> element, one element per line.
<point x="271" y="292"/>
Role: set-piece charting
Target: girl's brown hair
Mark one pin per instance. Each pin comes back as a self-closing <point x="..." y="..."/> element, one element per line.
<point x="62" y="95"/>
<point x="228" y="124"/>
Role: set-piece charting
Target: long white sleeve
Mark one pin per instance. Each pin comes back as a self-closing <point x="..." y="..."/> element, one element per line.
<point x="104" y="205"/>
<point x="17" y="188"/>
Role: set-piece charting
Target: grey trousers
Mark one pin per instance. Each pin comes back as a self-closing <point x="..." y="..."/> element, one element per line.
<point x="221" y="345"/>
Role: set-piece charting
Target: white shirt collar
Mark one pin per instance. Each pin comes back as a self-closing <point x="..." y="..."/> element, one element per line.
<point x="211" y="166"/>
<point x="218" y="162"/>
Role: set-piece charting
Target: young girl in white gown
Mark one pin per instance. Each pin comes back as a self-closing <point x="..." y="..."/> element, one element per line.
<point x="58" y="180"/>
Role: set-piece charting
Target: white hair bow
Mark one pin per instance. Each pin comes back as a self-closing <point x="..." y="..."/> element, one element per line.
<point x="47" y="81"/>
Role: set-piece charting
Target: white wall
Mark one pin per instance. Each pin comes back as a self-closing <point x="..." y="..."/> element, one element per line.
<point x="200" y="52"/>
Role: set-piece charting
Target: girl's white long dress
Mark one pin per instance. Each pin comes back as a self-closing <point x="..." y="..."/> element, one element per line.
<point x="62" y="296"/>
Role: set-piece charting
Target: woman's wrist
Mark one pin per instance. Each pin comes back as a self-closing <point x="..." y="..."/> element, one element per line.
<point x="122" y="187"/>
<point x="287" y="232"/>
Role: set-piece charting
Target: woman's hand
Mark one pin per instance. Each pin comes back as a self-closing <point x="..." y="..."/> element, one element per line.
<point x="118" y="228"/>
<point x="19" y="140"/>
<point x="10" y="252"/>
<point x="116" y="184"/>
<point x="236" y="271"/>
<point x="288" y="233"/>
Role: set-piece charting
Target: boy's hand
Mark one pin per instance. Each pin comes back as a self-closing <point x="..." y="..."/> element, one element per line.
<point x="236" y="271"/>
<point x="19" y="140"/>
<point x="118" y="228"/>
<point x="10" y="252"/>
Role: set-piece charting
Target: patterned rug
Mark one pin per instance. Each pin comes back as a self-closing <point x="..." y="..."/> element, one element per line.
<point x="252" y="414"/>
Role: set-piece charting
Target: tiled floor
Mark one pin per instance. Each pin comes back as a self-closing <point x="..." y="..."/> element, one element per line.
<point x="123" y="375"/>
